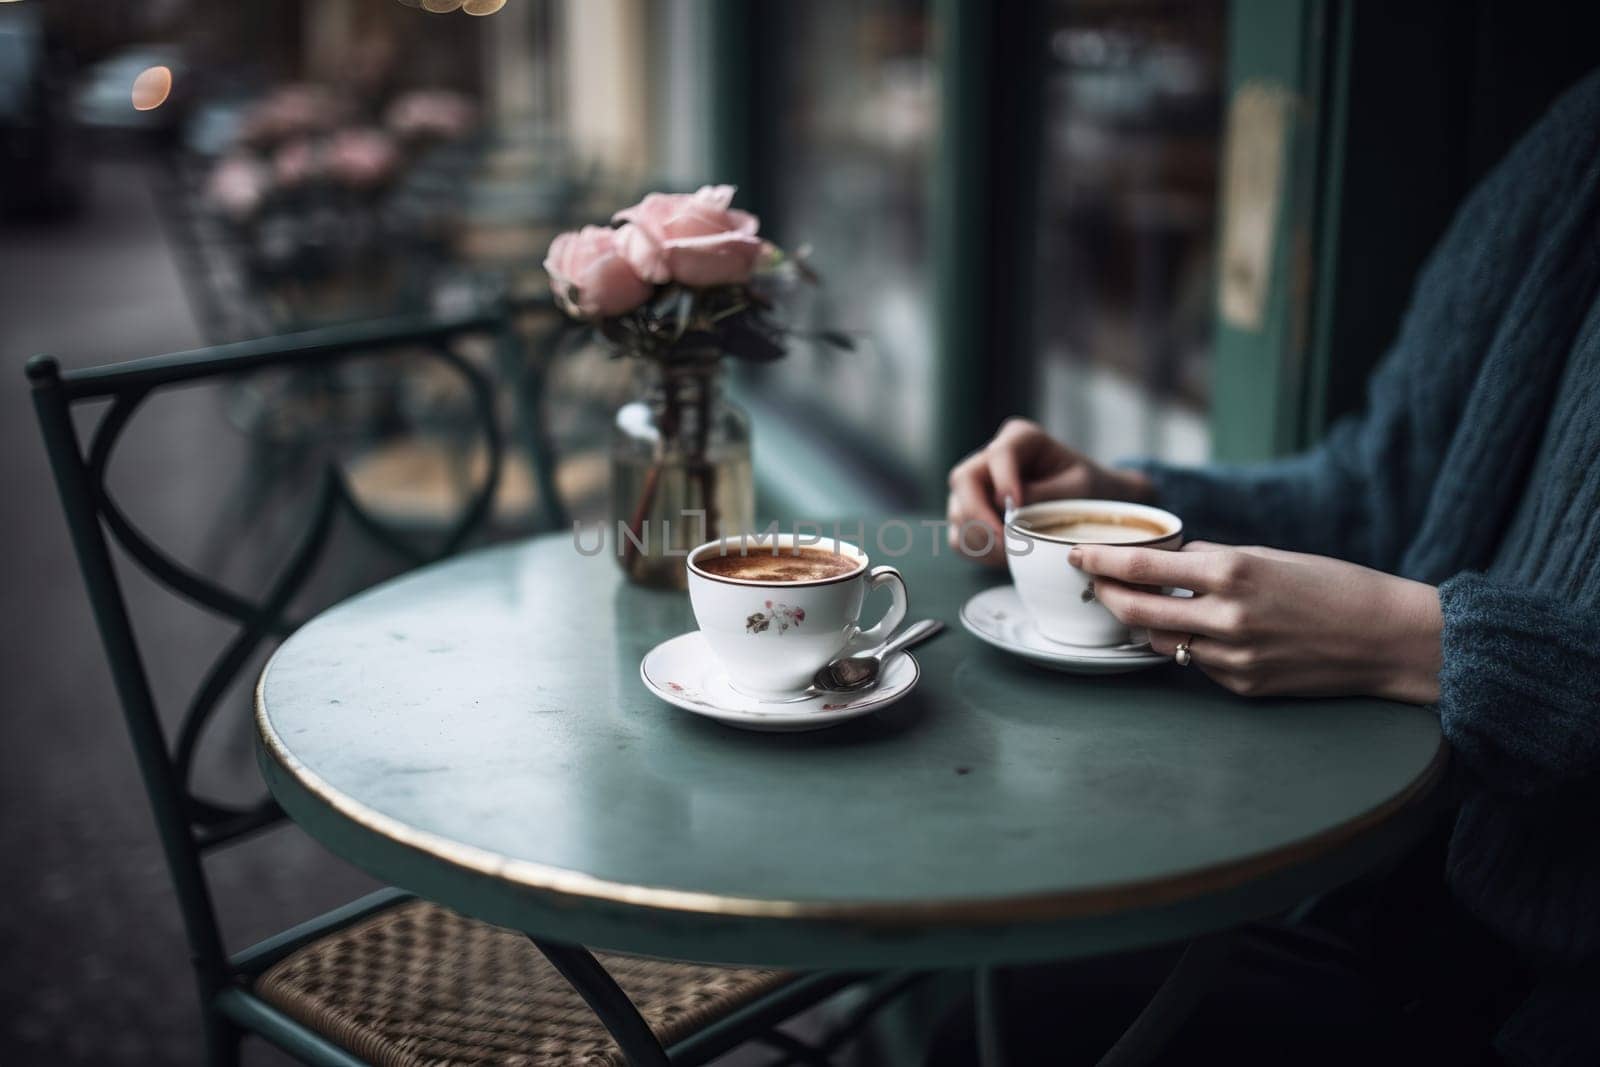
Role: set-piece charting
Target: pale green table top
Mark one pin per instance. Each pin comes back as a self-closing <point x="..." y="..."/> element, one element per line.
<point x="477" y="732"/>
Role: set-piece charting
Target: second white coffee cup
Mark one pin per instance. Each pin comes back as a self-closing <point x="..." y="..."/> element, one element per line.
<point x="1059" y="596"/>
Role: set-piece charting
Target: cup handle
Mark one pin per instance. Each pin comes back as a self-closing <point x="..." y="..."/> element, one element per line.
<point x="896" y="614"/>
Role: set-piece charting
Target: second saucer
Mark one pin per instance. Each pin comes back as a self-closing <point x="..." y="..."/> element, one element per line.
<point x="997" y="617"/>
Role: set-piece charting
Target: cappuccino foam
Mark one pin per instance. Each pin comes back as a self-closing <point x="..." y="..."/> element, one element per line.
<point x="788" y="566"/>
<point x="1098" y="529"/>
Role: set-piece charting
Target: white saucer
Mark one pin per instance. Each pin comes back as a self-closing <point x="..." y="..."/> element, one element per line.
<point x="997" y="616"/>
<point x="683" y="671"/>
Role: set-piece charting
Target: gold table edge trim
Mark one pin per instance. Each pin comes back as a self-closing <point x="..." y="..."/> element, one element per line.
<point x="1098" y="901"/>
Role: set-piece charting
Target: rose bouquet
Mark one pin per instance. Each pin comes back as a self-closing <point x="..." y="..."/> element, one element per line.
<point x="679" y="281"/>
<point x="682" y="273"/>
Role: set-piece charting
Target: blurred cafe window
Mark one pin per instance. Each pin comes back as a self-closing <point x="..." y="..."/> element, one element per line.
<point x="1132" y="127"/>
<point x="854" y="105"/>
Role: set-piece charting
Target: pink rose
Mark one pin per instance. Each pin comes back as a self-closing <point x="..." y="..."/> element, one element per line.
<point x="362" y="157"/>
<point x="690" y="238"/>
<point x="431" y="113"/>
<point x="590" y="279"/>
<point x="238" y="185"/>
<point x="296" y="162"/>
<point x="292" y="111"/>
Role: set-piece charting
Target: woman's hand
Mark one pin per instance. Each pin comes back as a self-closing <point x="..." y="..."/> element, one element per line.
<point x="1269" y="622"/>
<point x="1028" y="465"/>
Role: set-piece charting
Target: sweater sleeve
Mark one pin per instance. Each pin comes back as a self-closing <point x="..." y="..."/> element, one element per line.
<point x="1342" y="498"/>
<point x="1363" y="492"/>
<point x="1519" y="690"/>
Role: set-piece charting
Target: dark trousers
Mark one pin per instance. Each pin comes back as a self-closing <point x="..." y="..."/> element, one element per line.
<point x="1390" y="971"/>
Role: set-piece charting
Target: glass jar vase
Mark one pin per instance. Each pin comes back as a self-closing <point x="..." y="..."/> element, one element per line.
<point x="680" y="469"/>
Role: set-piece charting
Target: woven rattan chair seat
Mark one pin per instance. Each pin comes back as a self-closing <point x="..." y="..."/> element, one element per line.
<point x="419" y="984"/>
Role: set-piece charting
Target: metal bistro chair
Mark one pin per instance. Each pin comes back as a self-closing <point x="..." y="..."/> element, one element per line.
<point x="387" y="979"/>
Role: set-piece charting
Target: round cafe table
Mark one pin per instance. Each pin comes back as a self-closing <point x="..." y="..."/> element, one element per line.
<point x="477" y="732"/>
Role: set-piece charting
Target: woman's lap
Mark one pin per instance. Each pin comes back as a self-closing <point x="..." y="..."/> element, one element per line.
<point x="1280" y="995"/>
<point x="1390" y="971"/>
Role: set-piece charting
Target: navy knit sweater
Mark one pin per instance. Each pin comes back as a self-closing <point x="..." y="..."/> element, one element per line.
<point x="1476" y="467"/>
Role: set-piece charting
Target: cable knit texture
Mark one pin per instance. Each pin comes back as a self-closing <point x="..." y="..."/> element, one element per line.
<point x="1476" y="467"/>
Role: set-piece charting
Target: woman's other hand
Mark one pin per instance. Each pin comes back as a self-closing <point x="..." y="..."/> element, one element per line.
<point x="1267" y="622"/>
<point x="1028" y="465"/>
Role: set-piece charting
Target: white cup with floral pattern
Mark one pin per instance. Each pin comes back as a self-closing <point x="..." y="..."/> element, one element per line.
<point x="774" y="608"/>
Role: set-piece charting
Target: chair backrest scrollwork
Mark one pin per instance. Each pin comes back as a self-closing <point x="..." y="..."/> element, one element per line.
<point x="191" y="824"/>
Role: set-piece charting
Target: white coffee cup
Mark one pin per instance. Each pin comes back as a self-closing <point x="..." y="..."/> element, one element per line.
<point x="1059" y="596"/>
<point x="772" y="636"/>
